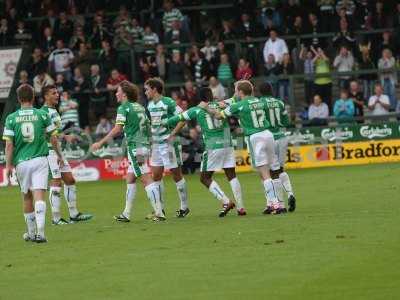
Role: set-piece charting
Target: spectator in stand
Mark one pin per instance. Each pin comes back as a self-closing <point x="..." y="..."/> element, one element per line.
<point x="69" y="110"/>
<point x="107" y="57"/>
<point x="243" y="70"/>
<point x="148" y="68"/>
<point x="318" y="112"/>
<point x="379" y="104"/>
<point x="176" y="68"/>
<point x="344" y="37"/>
<point x="308" y="69"/>
<point x="323" y="81"/>
<point x="363" y="15"/>
<point x="348" y="5"/>
<point x="296" y="29"/>
<point x="190" y="93"/>
<point x="100" y="32"/>
<point x="290" y="11"/>
<point x="314" y="30"/>
<point x="123" y="41"/>
<point x="327" y="13"/>
<point x="135" y="30"/>
<point x="36" y="63"/>
<point x="77" y="19"/>
<point x="217" y="89"/>
<point x="123" y="17"/>
<point x="344" y="108"/>
<point x="161" y="61"/>
<point x="386" y="43"/>
<point x="379" y="19"/>
<point x="150" y="40"/>
<point x="171" y="14"/>
<point x="200" y="67"/>
<point x="39" y="81"/>
<point x="342" y="15"/>
<point x="22" y="35"/>
<point x="114" y="80"/>
<point x="48" y="42"/>
<point x="60" y="60"/>
<point x="83" y="59"/>
<point x="103" y="127"/>
<point x="227" y="32"/>
<point x="98" y="95"/>
<point x="77" y="39"/>
<point x="225" y="74"/>
<point x="357" y="97"/>
<point x="270" y="16"/>
<point x="366" y="63"/>
<point x="276" y="46"/>
<point x="388" y="76"/>
<point x="176" y="35"/>
<point x="63" y="28"/>
<point x="61" y="84"/>
<point x="208" y="50"/>
<point x="247" y="28"/>
<point x="284" y="68"/>
<point x="23" y="78"/>
<point x="49" y="20"/>
<point x="80" y="87"/>
<point x="271" y="72"/>
<point x="344" y="62"/>
<point x="5" y="33"/>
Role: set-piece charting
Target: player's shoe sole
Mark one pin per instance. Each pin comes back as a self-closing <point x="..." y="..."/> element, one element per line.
<point x="268" y="210"/>
<point x="121" y="218"/>
<point x="292" y="203"/>
<point x="80" y="217"/>
<point x="182" y="213"/>
<point x="40" y="239"/>
<point x="159" y="218"/>
<point x="60" y="222"/>
<point x="226" y="208"/>
<point x="241" y="212"/>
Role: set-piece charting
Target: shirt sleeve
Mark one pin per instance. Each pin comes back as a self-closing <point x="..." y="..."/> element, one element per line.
<point x="232" y="110"/>
<point x="121" y="116"/>
<point x="8" y="133"/>
<point x="50" y="126"/>
<point x="174" y="109"/>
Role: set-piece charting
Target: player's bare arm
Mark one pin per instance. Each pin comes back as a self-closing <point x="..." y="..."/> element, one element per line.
<point x="56" y="146"/>
<point x="9" y="156"/>
<point x="176" y="130"/>
<point x="117" y="129"/>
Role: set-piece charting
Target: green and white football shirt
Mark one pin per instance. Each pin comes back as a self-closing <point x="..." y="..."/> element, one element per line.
<point x="277" y="116"/>
<point x="160" y="112"/>
<point x="27" y="128"/>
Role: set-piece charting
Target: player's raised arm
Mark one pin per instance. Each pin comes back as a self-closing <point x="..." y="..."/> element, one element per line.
<point x="179" y="121"/>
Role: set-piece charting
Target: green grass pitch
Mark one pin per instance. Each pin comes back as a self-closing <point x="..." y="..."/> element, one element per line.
<point x="343" y="242"/>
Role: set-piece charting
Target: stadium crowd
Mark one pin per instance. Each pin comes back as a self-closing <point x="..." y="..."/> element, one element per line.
<point x="85" y="51"/>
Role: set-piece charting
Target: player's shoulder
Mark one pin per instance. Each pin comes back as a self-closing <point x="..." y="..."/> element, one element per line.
<point x="167" y="100"/>
<point x="137" y="107"/>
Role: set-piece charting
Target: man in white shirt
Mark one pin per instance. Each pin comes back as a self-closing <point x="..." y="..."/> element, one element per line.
<point x="318" y="112"/>
<point x="379" y="104"/>
<point x="275" y="46"/>
<point x="60" y="60"/>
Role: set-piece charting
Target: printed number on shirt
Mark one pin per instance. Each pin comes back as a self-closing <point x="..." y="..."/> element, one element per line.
<point x="275" y="117"/>
<point x="213" y="123"/>
<point x="28" y="132"/>
<point x="258" y="118"/>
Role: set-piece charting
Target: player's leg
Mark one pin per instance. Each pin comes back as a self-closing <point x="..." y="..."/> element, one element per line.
<point x="230" y="174"/>
<point x="262" y="152"/>
<point x="229" y="164"/>
<point x="182" y="192"/>
<point x="24" y="176"/>
<point x="173" y="161"/>
<point x="157" y="169"/>
<point x="39" y="187"/>
<point x="29" y="216"/>
<point x="283" y="176"/>
<point x="70" y="195"/>
<point x="275" y="171"/>
<point x="212" y="160"/>
<point x="130" y="196"/>
<point x="55" y="190"/>
<point x="154" y="196"/>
